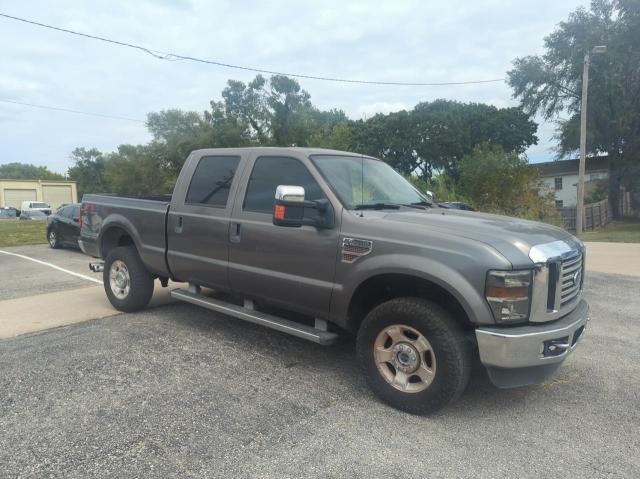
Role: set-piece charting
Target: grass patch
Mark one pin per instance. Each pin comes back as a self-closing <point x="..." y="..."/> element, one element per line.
<point x="16" y="232"/>
<point x="621" y="231"/>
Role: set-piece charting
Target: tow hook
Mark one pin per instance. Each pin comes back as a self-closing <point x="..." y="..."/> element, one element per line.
<point x="96" y="267"/>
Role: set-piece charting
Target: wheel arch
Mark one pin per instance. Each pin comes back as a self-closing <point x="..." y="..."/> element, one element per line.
<point x="117" y="232"/>
<point x="383" y="287"/>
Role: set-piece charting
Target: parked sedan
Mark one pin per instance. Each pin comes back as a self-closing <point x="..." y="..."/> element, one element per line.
<point x="8" y="213"/>
<point x="33" y="215"/>
<point x="63" y="227"/>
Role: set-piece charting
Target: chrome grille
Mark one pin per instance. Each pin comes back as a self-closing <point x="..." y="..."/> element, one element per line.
<point x="557" y="279"/>
<point x="570" y="280"/>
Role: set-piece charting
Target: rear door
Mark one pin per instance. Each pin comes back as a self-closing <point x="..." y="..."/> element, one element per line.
<point x="290" y="267"/>
<point x="198" y="220"/>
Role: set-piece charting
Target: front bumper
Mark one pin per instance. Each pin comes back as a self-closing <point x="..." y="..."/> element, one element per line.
<point x="525" y="355"/>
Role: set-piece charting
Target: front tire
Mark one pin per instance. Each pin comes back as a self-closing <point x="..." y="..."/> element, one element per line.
<point x="414" y="355"/>
<point x="127" y="282"/>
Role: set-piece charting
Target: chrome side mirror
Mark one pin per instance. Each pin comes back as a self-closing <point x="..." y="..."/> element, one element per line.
<point x="289" y="209"/>
<point x="290" y="193"/>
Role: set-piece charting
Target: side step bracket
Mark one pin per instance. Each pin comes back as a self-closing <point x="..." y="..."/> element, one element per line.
<point x="303" y="331"/>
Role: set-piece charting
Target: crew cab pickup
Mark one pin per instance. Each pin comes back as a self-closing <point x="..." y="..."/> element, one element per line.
<point x="322" y="244"/>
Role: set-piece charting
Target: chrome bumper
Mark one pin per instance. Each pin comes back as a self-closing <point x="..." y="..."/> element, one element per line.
<point x="532" y="346"/>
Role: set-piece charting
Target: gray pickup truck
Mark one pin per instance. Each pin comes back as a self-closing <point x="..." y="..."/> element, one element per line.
<point x="322" y="244"/>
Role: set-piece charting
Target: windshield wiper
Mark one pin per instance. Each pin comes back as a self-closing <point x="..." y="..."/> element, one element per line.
<point x="419" y="205"/>
<point x="378" y="206"/>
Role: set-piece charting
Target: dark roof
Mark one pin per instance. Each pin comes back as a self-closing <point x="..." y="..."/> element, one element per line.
<point x="564" y="167"/>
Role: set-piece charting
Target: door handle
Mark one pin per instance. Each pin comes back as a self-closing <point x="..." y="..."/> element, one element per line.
<point x="234" y="232"/>
<point x="178" y="228"/>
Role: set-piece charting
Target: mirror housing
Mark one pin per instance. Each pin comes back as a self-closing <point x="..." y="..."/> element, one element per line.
<point x="290" y="205"/>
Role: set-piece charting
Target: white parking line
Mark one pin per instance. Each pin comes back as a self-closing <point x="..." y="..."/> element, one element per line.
<point x="83" y="276"/>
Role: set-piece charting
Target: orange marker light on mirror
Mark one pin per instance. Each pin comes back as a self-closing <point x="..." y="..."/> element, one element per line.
<point x="278" y="212"/>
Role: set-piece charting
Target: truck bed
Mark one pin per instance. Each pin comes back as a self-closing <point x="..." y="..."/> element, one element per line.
<point x="143" y="217"/>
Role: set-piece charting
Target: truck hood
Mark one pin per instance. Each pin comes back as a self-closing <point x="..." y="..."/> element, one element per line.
<point x="512" y="237"/>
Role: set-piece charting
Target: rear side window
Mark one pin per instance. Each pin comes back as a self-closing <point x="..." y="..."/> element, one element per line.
<point x="212" y="179"/>
<point x="65" y="212"/>
<point x="269" y="172"/>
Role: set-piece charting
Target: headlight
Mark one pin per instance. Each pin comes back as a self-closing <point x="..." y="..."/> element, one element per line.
<point x="509" y="294"/>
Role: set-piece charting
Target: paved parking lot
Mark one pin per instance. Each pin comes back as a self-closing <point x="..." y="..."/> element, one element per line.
<point x="177" y="391"/>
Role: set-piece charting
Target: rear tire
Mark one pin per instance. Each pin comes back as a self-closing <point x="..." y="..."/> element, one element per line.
<point x="414" y="355"/>
<point x="127" y="282"/>
<point x="52" y="238"/>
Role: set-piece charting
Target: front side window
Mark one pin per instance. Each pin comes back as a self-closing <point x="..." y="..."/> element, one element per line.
<point x="271" y="171"/>
<point x="361" y="181"/>
<point x="211" y="181"/>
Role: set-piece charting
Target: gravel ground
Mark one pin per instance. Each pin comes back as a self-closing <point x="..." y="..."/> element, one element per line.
<point x="182" y="392"/>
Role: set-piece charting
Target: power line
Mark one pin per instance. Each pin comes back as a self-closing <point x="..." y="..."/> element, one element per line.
<point x="46" y="107"/>
<point x="173" y="56"/>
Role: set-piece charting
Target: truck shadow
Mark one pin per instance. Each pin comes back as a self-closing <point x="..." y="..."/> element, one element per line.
<point x="336" y="364"/>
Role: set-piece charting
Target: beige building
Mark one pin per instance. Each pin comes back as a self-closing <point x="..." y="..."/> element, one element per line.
<point x="56" y="193"/>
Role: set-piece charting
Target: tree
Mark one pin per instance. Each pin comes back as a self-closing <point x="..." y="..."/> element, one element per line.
<point x="88" y="171"/>
<point x="503" y="182"/>
<point x="435" y="136"/>
<point x="176" y="133"/>
<point x="551" y="85"/>
<point x="27" y="171"/>
<point x="136" y="170"/>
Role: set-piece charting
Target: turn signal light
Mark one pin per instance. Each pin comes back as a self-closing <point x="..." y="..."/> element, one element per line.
<point x="278" y="212"/>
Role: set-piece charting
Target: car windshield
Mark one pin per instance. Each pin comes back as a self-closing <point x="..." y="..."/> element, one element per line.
<point x="364" y="182"/>
<point x="39" y="205"/>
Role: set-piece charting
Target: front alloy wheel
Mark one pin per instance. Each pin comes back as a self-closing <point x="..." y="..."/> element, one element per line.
<point x="405" y="358"/>
<point x="414" y="354"/>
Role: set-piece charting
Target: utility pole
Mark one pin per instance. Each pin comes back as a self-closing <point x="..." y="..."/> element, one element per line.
<point x="583" y="137"/>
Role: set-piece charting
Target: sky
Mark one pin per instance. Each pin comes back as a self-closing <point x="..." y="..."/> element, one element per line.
<point x="406" y="41"/>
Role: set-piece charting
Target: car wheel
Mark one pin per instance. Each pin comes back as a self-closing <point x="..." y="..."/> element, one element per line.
<point x="52" y="238"/>
<point x="414" y="355"/>
<point x="127" y="282"/>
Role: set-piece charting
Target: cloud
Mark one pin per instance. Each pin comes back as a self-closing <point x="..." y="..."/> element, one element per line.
<point x="392" y="41"/>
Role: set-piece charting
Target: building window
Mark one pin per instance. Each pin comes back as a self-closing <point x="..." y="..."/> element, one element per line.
<point x="558" y="183"/>
<point x="559" y="203"/>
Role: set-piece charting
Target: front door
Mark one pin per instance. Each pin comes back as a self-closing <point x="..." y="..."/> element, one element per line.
<point x="289" y="267"/>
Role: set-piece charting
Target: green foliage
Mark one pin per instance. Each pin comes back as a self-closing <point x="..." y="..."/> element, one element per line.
<point x="434" y="136"/>
<point x="278" y="112"/>
<point x="26" y="171"/>
<point x="499" y="182"/>
<point x="551" y="84"/>
<point x="88" y="171"/>
<point x="597" y="192"/>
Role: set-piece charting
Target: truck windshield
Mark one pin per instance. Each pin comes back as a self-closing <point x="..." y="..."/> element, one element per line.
<point x="367" y="183"/>
<point x="39" y="205"/>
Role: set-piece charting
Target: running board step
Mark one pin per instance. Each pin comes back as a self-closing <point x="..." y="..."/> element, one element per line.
<point x="274" y="322"/>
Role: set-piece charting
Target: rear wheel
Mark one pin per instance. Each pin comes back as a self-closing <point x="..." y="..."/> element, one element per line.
<point x="414" y="355"/>
<point x="127" y="282"/>
<point x="52" y="238"/>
